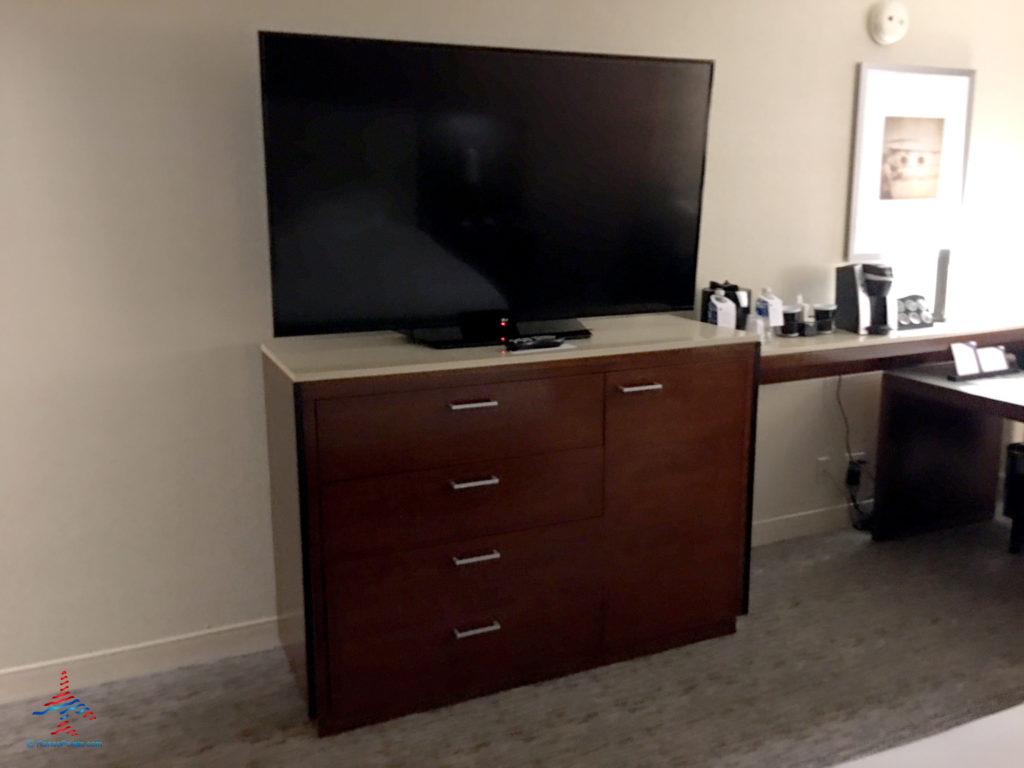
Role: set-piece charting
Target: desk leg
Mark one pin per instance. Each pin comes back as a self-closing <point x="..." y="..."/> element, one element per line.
<point x="938" y="465"/>
<point x="1016" y="536"/>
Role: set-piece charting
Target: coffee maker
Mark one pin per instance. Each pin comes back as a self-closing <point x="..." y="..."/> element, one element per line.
<point x="862" y="298"/>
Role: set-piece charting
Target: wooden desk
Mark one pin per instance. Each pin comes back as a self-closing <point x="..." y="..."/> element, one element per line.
<point x="940" y="448"/>
<point x="844" y="352"/>
<point x="938" y="456"/>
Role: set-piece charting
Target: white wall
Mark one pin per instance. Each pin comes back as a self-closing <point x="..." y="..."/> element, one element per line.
<point x="134" y="287"/>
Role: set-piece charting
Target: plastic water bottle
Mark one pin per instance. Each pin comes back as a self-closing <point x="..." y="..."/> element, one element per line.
<point x="721" y="310"/>
<point x="769" y="311"/>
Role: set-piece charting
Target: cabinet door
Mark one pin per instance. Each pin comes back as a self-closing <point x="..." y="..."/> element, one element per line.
<point x="676" y="456"/>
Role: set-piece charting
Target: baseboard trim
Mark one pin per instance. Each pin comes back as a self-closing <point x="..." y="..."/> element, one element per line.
<point x="87" y="669"/>
<point x="814" y="521"/>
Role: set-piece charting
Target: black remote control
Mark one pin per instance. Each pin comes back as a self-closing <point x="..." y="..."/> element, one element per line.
<point x="533" y="342"/>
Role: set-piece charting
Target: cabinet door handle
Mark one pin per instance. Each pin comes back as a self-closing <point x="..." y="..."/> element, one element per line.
<point x="492" y="555"/>
<point x="473" y="404"/>
<point x="492" y="480"/>
<point x="460" y="634"/>
<point x="653" y="386"/>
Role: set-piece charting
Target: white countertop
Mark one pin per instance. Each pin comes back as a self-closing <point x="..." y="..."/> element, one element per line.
<point x="846" y="339"/>
<point x="353" y="355"/>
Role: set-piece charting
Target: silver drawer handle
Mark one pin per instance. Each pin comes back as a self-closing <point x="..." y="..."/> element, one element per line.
<point x="492" y="555"/>
<point x="474" y="404"/>
<point x="641" y="388"/>
<point x="492" y="480"/>
<point x="494" y="626"/>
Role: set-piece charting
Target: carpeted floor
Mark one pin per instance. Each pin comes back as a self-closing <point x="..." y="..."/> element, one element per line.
<point x="850" y="647"/>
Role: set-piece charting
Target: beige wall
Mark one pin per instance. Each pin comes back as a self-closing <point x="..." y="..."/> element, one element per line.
<point x="134" y="286"/>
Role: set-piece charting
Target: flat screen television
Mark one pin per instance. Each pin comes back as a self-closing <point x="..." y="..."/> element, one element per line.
<point x="430" y="188"/>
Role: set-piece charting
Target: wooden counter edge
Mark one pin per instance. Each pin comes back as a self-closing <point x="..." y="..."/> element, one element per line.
<point x="812" y="364"/>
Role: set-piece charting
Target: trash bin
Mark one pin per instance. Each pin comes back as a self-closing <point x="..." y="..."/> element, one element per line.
<point x="1013" y="498"/>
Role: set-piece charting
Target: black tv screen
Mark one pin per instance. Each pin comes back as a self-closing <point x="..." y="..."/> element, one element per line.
<point x="410" y="185"/>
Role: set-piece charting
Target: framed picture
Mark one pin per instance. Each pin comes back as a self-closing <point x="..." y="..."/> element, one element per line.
<point x="909" y="159"/>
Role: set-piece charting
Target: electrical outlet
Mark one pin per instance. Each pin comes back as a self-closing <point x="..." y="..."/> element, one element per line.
<point x="853" y="474"/>
<point x="831" y="474"/>
<point x="858" y="472"/>
<point x="824" y="466"/>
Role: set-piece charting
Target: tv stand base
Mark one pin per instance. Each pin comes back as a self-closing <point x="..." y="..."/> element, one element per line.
<point x="481" y="335"/>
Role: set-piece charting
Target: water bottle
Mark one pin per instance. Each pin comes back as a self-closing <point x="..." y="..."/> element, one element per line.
<point x="721" y="310"/>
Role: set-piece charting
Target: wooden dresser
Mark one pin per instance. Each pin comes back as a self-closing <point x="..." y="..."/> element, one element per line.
<point x="451" y="523"/>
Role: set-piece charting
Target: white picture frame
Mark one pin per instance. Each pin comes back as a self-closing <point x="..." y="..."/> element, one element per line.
<point x="909" y="161"/>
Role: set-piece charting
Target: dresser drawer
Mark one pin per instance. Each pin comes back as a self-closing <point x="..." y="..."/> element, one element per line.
<point x="461" y="502"/>
<point x="400" y="675"/>
<point x="447" y="586"/>
<point x="417" y="631"/>
<point x="406" y="431"/>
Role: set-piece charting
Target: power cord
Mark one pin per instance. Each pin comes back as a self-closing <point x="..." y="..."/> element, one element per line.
<point x="860" y="519"/>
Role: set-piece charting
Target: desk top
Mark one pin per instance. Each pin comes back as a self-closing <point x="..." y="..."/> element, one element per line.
<point x="349" y="355"/>
<point x="354" y="355"/>
<point x="844" y="352"/>
<point x="1001" y="395"/>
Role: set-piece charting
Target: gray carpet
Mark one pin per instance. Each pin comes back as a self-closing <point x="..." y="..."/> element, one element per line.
<point x="850" y="647"/>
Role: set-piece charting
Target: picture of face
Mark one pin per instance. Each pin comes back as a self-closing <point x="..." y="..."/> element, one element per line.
<point x="911" y="151"/>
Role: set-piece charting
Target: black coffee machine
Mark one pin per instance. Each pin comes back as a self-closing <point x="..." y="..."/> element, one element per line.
<point x="862" y="298"/>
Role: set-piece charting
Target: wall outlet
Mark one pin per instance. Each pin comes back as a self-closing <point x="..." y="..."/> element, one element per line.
<point x="859" y="465"/>
<point x="830" y="474"/>
<point x="836" y="471"/>
<point x="853" y="474"/>
<point x="824" y="466"/>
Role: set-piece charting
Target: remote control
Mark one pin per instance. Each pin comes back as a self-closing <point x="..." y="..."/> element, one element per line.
<point x="533" y="342"/>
